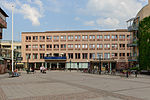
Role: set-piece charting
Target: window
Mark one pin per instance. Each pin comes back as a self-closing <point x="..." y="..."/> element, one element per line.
<point x="114" y="46"/>
<point x="56" y="37"/>
<point x="84" y="55"/>
<point x="114" y="36"/>
<point x="42" y="46"/>
<point x="28" y="37"/>
<point x="92" y="55"/>
<point x="63" y="37"/>
<point x="107" y="55"/>
<point x="114" y="54"/>
<point x="70" y="55"/>
<point x="35" y="55"/>
<point x="49" y="46"/>
<point x="99" y="45"/>
<point x="63" y="45"/>
<point x="77" y="46"/>
<point x="28" y="46"/>
<point x="107" y="46"/>
<point x="99" y="55"/>
<point x="35" y="46"/>
<point x="92" y="46"/>
<point x="122" y="36"/>
<point x="128" y="54"/>
<point x="49" y="37"/>
<point x="42" y="37"/>
<point x="85" y="37"/>
<point x="78" y="37"/>
<point x="35" y="37"/>
<point x="70" y="37"/>
<point x="77" y="56"/>
<point x="41" y="55"/>
<point x="28" y="56"/>
<point x="92" y="37"/>
<point x="70" y="45"/>
<point x="128" y="36"/>
<point x="122" y="45"/>
<point x="56" y="46"/>
<point x="99" y="37"/>
<point x="122" y="54"/>
<point x="107" y="36"/>
<point x="84" y="46"/>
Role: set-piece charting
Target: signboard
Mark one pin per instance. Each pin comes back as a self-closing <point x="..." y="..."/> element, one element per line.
<point x="19" y="58"/>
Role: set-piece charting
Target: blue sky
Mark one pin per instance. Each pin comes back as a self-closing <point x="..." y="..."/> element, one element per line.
<point x="51" y="15"/>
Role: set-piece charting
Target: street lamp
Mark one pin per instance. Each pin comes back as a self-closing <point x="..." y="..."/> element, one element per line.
<point x="12" y="42"/>
<point x="70" y="64"/>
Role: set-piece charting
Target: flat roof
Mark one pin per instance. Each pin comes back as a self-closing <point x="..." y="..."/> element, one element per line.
<point x="2" y="11"/>
<point x="76" y="31"/>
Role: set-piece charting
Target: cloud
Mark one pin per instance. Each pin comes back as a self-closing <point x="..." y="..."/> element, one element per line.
<point x="89" y="23"/>
<point x="77" y="18"/>
<point x="112" y="13"/>
<point x="31" y="10"/>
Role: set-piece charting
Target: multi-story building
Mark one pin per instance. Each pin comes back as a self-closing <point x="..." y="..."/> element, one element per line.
<point x="3" y="24"/>
<point x="76" y="49"/>
<point x="133" y="25"/>
<point x="6" y="52"/>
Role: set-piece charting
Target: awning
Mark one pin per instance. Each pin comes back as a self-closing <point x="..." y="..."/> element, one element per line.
<point x="20" y="63"/>
<point x="1" y="59"/>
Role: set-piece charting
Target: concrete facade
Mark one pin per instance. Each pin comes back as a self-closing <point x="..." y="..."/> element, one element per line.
<point x="80" y="47"/>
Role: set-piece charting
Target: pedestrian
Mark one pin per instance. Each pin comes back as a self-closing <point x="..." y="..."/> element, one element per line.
<point x="127" y="73"/>
<point x="136" y="72"/>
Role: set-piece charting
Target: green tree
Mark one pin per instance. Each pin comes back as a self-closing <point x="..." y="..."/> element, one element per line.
<point x="144" y="43"/>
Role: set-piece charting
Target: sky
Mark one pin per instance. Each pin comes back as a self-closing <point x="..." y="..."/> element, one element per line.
<point x="59" y="15"/>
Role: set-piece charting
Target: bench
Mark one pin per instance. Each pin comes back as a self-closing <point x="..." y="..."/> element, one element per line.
<point x="12" y="74"/>
<point x="28" y="71"/>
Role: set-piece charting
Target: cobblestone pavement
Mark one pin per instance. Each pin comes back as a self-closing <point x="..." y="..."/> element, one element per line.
<point x="59" y="85"/>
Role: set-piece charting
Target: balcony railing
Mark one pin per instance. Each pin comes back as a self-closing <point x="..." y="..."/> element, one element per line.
<point x="133" y="58"/>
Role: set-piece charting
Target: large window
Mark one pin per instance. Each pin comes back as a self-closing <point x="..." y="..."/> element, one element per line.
<point x="92" y="37"/>
<point x="107" y="55"/>
<point x="99" y="55"/>
<point x="122" y="36"/>
<point x="49" y="37"/>
<point x="77" y="46"/>
<point x="99" y="46"/>
<point x="56" y="46"/>
<point x="41" y="55"/>
<point x="42" y="37"/>
<point x="70" y="55"/>
<point x="92" y="55"/>
<point x="84" y="37"/>
<point x="114" y="36"/>
<point x="77" y="56"/>
<point x="56" y="37"/>
<point x="28" y="56"/>
<point x="77" y="37"/>
<point x="92" y="46"/>
<point x="99" y="37"/>
<point x="35" y="37"/>
<point x="84" y="46"/>
<point x="107" y="46"/>
<point x="42" y="46"/>
<point x="70" y="37"/>
<point x="35" y="46"/>
<point x="84" y="55"/>
<point x="114" y="46"/>
<point x="107" y="36"/>
<point x="28" y="46"/>
<point x="28" y="38"/>
<point x="49" y="46"/>
<point x="63" y="37"/>
<point x="70" y="45"/>
<point x="35" y="56"/>
<point x="63" y="46"/>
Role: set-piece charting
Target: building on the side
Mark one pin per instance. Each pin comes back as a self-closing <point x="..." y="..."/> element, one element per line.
<point x="133" y="25"/>
<point x="6" y="52"/>
<point x="76" y="49"/>
<point x="3" y="24"/>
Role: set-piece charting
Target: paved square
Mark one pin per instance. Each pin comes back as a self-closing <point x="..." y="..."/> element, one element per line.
<point x="59" y="85"/>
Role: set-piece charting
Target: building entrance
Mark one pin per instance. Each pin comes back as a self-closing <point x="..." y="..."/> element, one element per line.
<point x="54" y="66"/>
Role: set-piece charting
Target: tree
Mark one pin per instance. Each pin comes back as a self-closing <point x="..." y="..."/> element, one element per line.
<point x="144" y="43"/>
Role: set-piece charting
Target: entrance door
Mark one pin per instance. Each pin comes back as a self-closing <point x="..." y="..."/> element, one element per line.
<point x="53" y="66"/>
<point x="62" y="66"/>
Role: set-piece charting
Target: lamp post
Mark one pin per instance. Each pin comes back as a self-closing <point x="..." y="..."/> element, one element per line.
<point x="70" y="64"/>
<point x="12" y="42"/>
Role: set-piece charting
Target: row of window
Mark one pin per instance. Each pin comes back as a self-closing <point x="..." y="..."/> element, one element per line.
<point x="35" y="46"/>
<point x="79" y="55"/>
<point x="77" y="37"/>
